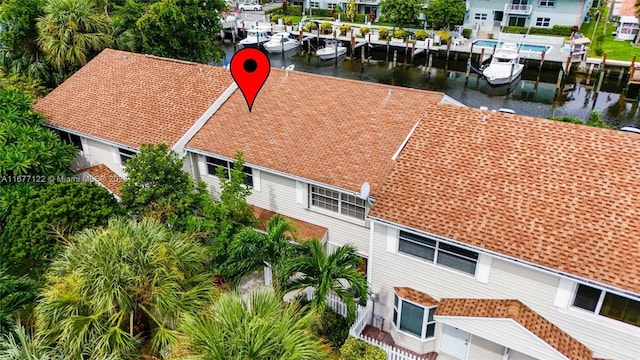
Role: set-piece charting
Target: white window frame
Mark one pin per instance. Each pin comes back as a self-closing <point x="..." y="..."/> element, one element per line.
<point x="65" y="137"/>
<point x="228" y="167"/>
<point x="480" y="16"/>
<point x="332" y="6"/>
<point x="125" y="154"/>
<point x="315" y="4"/>
<point x="436" y="252"/>
<point x="599" y="303"/>
<point x="397" y="309"/>
<point x="543" y="22"/>
<point x="314" y="190"/>
<point x="547" y="3"/>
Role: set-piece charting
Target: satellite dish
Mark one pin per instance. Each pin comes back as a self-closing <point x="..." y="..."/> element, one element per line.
<point x="364" y="191"/>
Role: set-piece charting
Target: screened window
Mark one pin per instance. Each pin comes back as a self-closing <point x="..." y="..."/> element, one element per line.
<point x="125" y="155"/>
<point x="436" y="251"/>
<point x="413" y="318"/>
<point x="543" y="22"/>
<point x="607" y="304"/>
<point x="336" y="201"/>
<point x="69" y="138"/>
<point x="227" y="166"/>
<point x="481" y="16"/>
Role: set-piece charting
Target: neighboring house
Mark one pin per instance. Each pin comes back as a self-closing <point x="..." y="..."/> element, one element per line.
<point x="491" y="15"/>
<point x="120" y="100"/>
<point x="362" y="6"/>
<point x="310" y="143"/>
<point x="628" y="26"/>
<point x="507" y="237"/>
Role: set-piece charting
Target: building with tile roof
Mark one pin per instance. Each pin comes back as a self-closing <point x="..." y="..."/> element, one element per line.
<point x="490" y="206"/>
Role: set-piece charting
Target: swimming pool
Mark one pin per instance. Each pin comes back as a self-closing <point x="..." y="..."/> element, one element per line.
<point x="523" y="47"/>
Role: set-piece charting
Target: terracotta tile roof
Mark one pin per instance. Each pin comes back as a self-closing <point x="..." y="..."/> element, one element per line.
<point x="627" y="8"/>
<point x="304" y="230"/>
<point x="131" y="98"/>
<point x="560" y="195"/>
<point x="416" y="296"/>
<point x="333" y="131"/>
<point x="529" y="319"/>
<point x="105" y="176"/>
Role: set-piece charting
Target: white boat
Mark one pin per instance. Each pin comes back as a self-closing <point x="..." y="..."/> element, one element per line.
<point x="331" y="49"/>
<point x="256" y="37"/>
<point x="279" y="42"/>
<point x="505" y="65"/>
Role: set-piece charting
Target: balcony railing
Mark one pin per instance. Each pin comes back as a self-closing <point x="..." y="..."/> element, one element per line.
<point x="370" y="2"/>
<point x="517" y="9"/>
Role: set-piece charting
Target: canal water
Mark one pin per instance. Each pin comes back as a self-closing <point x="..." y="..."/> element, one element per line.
<point x="534" y="94"/>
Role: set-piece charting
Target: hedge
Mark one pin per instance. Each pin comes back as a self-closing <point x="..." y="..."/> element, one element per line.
<point x="292" y="10"/>
<point x="555" y="30"/>
<point x="356" y="349"/>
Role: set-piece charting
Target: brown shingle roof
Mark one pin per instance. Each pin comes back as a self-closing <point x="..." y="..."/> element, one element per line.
<point x="560" y="195"/>
<point x="131" y="98"/>
<point x="333" y="131"/>
<point x="105" y="176"/>
<point x="529" y="319"/>
<point x="416" y="296"/>
<point x="304" y="230"/>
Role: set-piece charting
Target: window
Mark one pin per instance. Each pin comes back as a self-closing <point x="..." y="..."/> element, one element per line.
<point x="413" y="318"/>
<point x="543" y="22"/>
<point x="69" y="138"/>
<point x="214" y="163"/>
<point x="315" y="5"/>
<point x="547" y="3"/>
<point x="441" y="253"/>
<point x="607" y="304"/>
<point x="337" y="202"/>
<point x="480" y="16"/>
<point x="332" y="6"/>
<point x="125" y="155"/>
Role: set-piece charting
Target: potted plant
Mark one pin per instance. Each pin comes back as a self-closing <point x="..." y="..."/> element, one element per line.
<point x="383" y="33"/>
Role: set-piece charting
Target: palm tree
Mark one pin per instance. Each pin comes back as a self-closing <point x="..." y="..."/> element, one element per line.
<point x="72" y="31"/>
<point x="257" y="328"/>
<point x="22" y="346"/>
<point x="251" y="250"/>
<point x="336" y="272"/>
<point x="117" y="289"/>
<point x="16" y="293"/>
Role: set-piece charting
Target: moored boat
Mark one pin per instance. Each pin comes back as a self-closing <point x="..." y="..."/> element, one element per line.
<point x="331" y="50"/>
<point x="505" y="65"/>
<point x="280" y="42"/>
<point x="256" y="37"/>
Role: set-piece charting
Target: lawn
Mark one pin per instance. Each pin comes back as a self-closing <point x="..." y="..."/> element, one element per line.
<point x="615" y="49"/>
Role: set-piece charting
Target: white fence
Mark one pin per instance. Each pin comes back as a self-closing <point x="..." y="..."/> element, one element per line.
<point x="363" y="317"/>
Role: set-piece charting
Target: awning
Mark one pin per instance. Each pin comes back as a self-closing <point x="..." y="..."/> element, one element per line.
<point x="582" y="40"/>
<point x="511" y="324"/>
<point x="304" y="230"/>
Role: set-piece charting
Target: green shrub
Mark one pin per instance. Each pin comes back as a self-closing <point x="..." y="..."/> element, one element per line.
<point x="326" y="27"/>
<point x="275" y="10"/>
<point x="466" y="33"/>
<point x="325" y="12"/>
<point x="490" y="36"/>
<point x="365" y="30"/>
<point x="444" y="36"/>
<point x="293" y="10"/>
<point x="310" y="26"/>
<point x="359" y="18"/>
<point x="275" y="18"/>
<point x="287" y="21"/>
<point x="383" y="33"/>
<point x="400" y="34"/>
<point x="344" y="28"/>
<point x="333" y="327"/>
<point x="421" y="35"/>
<point x="356" y="349"/>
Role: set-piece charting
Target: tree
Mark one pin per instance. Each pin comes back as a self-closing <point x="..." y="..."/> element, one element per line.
<point x="595" y="120"/>
<point x="71" y="32"/>
<point x="327" y="273"/>
<point x="401" y="12"/>
<point x="26" y="146"/>
<point x="351" y="10"/>
<point x="158" y="187"/>
<point x="251" y="250"/>
<point x="16" y="293"/>
<point x="442" y="13"/>
<point x="259" y="328"/>
<point x="121" y="288"/>
<point x="22" y="346"/>
<point x="181" y="29"/>
<point x="31" y="234"/>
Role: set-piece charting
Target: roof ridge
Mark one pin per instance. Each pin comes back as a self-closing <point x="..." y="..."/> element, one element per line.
<point x="178" y="61"/>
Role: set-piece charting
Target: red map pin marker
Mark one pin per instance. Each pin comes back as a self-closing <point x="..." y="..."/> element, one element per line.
<point x="250" y="68"/>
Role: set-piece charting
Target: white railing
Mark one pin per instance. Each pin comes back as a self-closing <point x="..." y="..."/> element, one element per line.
<point x="392" y="352"/>
<point x="517" y="9"/>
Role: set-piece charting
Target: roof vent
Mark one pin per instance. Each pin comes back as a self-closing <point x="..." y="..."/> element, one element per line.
<point x="389" y="92"/>
<point x="124" y="57"/>
<point x="200" y="71"/>
<point x="484" y="118"/>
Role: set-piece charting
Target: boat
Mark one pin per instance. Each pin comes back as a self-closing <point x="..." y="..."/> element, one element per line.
<point x="331" y="50"/>
<point x="504" y="66"/>
<point x="256" y="37"/>
<point x="280" y="42"/>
